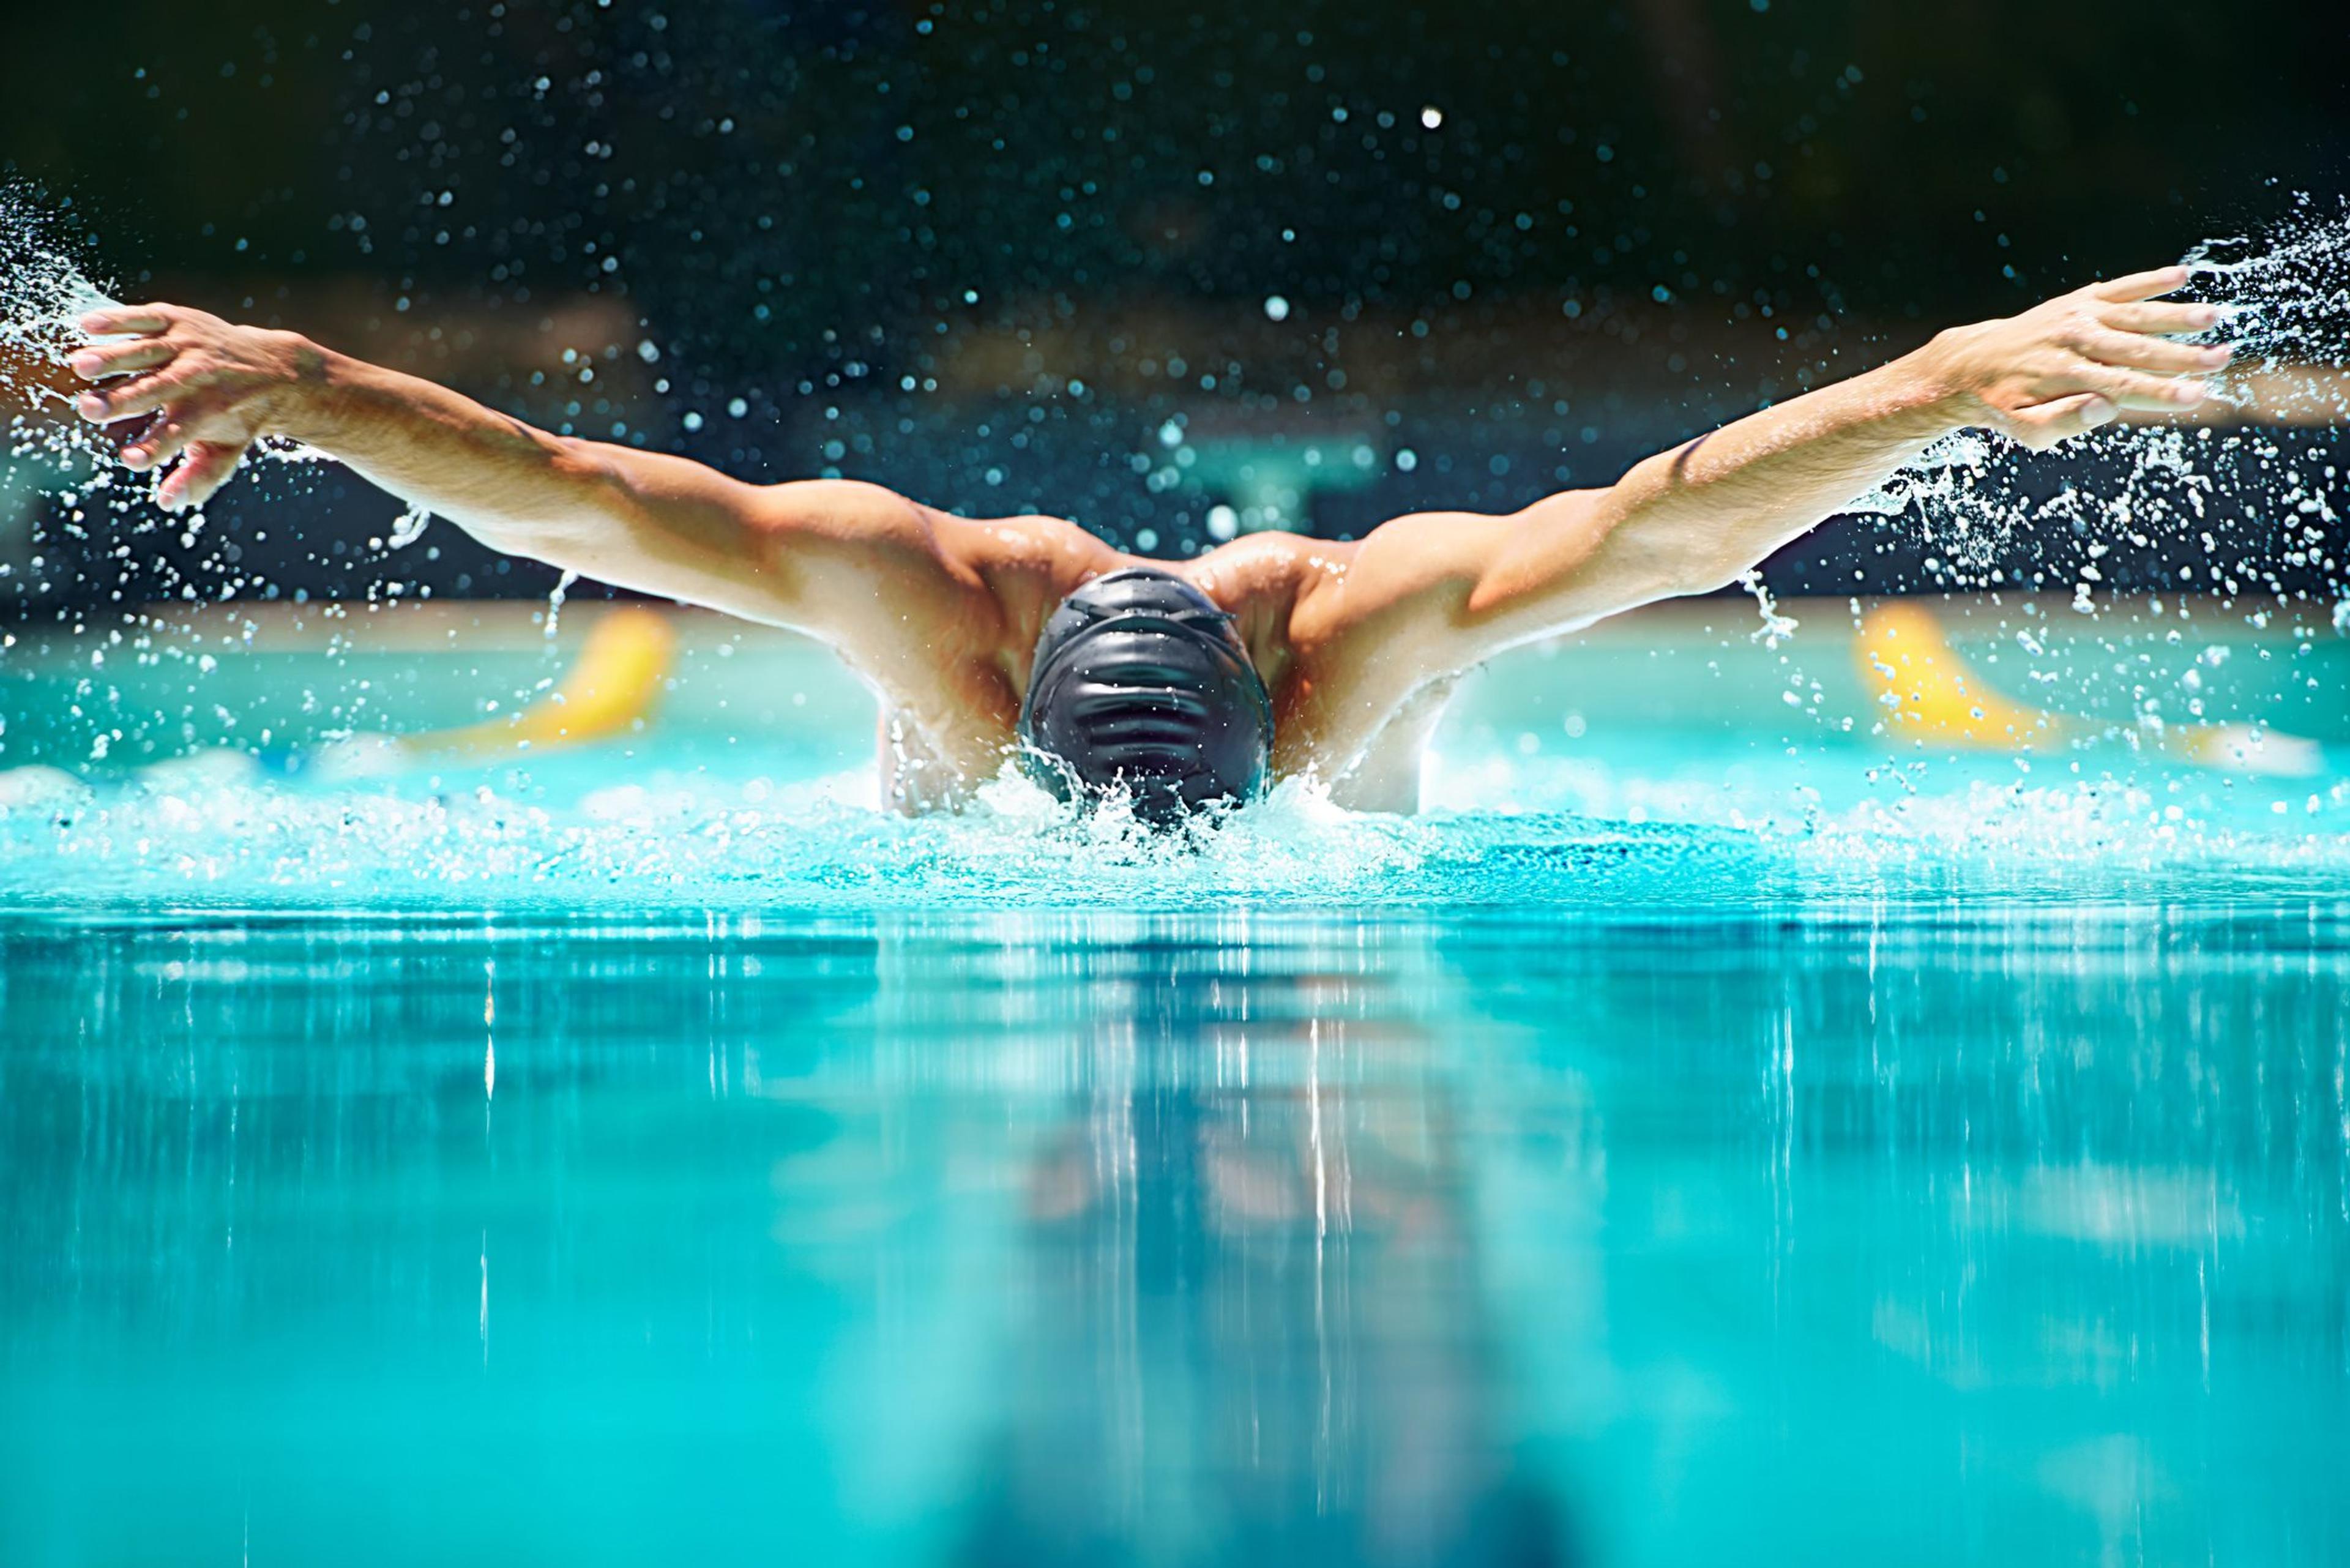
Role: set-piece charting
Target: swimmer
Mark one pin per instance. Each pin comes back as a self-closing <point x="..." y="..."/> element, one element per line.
<point x="1177" y="683"/>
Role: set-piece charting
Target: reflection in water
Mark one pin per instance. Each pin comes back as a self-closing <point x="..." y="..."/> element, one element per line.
<point x="1184" y="1240"/>
<point x="2012" y="1239"/>
<point x="1251" y="1326"/>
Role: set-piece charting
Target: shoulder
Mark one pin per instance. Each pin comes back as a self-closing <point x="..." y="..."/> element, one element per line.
<point x="1026" y="565"/>
<point x="1050" y="546"/>
<point x="848" y="511"/>
<point x="1264" y="568"/>
<point x="855" y="513"/>
<point x="1266" y="581"/>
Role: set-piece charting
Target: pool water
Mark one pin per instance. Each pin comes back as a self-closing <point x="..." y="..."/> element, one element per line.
<point x="1704" y="1140"/>
<point x="1243" y="1238"/>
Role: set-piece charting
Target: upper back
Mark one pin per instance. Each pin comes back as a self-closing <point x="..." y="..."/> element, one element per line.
<point x="1030" y="563"/>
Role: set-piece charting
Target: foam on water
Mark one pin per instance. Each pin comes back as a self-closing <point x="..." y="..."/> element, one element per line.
<point x="1502" y="833"/>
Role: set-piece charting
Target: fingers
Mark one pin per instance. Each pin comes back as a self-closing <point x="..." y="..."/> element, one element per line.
<point x="118" y="320"/>
<point x="157" y="446"/>
<point x="119" y="359"/>
<point x="2134" y="389"/>
<point x="2157" y="354"/>
<point x="2140" y="285"/>
<point x="209" y="465"/>
<point x="126" y="400"/>
<point x="189" y="400"/>
<point x="2160" y="319"/>
<point x="2042" y="425"/>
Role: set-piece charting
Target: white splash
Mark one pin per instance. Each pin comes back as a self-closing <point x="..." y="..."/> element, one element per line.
<point x="555" y="602"/>
<point x="2285" y="292"/>
<point x="44" y="294"/>
<point x="409" y="527"/>
<point x="1776" y="626"/>
<point x="2285" y="298"/>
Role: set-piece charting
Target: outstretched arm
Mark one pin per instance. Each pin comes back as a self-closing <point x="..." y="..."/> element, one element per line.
<point x="1461" y="585"/>
<point x="844" y="560"/>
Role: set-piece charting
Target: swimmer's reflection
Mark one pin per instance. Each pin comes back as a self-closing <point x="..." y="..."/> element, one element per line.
<point x="1252" y="1330"/>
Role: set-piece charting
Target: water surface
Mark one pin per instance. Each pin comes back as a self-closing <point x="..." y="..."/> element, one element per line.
<point x="1409" y="1236"/>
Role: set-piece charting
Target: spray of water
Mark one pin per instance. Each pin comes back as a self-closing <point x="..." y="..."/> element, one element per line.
<point x="1777" y="625"/>
<point x="555" y="599"/>
<point x="47" y="284"/>
<point x="2286" y="292"/>
<point x="44" y="293"/>
<point x="409" y="527"/>
<point x="2238" y="495"/>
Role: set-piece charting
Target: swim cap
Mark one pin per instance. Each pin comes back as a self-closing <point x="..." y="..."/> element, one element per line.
<point x="1140" y="681"/>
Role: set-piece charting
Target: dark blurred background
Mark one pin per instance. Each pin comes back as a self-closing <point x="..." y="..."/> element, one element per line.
<point x="1172" y="272"/>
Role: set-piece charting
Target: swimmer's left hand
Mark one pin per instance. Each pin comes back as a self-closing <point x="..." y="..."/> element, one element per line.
<point x="2072" y="363"/>
<point x="212" y="386"/>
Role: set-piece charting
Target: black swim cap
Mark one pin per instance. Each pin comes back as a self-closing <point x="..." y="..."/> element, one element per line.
<point x="1140" y="681"/>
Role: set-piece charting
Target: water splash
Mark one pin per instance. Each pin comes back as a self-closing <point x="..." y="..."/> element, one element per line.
<point x="2184" y="491"/>
<point x="2285" y="293"/>
<point x="408" y="526"/>
<point x="554" y="598"/>
<point x="1571" y="835"/>
<point x="44" y="291"/>
<point x="47" y="287"/>
<point x="1776" y="626"/>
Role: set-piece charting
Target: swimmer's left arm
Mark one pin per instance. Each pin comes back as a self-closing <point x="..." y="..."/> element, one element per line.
<point x="1692" y="519"/>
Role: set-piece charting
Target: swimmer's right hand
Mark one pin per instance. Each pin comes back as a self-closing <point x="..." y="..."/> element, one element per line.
<point x="212" y="387"/>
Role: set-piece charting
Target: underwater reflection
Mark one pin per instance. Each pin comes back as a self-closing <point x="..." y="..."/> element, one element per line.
<point x="1249" y="1320"/>
<point x="2022" y="1235"/>
<point x="2017" y="1236"/>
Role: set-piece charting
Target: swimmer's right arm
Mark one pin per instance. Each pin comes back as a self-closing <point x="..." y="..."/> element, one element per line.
<point x="821" y="555"/>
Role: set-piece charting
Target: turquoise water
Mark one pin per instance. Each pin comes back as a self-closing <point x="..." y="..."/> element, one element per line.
<point x="1391" y="1238"/>
<point x="1679" y="766"/>
<point x="1695" y="1141"/>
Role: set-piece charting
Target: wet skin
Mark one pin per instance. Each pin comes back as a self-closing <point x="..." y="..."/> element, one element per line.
<point x="1358" y="643"/>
